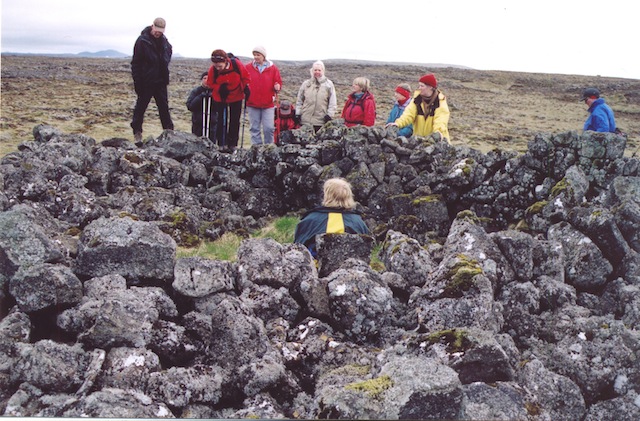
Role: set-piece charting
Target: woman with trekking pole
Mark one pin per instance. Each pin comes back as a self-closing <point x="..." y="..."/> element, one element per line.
<point x="266" y="82"/>
<point x="229" y="82"/>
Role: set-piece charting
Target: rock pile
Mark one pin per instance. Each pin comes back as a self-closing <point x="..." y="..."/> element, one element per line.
<point x="510" y="287"/>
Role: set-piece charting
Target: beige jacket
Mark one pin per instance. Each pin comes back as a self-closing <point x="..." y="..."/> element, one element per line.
<point x="316" y="98"/>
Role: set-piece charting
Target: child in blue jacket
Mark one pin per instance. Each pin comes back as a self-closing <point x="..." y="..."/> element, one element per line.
<point x="402" y="96"/>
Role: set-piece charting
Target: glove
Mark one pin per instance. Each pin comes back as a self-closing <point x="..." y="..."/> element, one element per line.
<point x="296" y="119"/>
<point x="224" y="91"/>
<point x="247" y="92"/>
<point x="327" y="118"/>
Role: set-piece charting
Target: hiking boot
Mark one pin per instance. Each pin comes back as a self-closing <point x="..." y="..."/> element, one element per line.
<point x="137" y="138"/>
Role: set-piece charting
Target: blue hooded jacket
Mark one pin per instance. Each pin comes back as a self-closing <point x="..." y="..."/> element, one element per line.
<point x="600" y="117"/>
<point x="396" y="112"/>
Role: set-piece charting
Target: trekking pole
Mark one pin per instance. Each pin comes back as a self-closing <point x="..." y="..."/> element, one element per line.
<point x="224" y="125"/>
<point x="244" y="119"/>
<point x="277" y="120"/>
<point x="209" y="117"/>
<point x="204" y="115"/>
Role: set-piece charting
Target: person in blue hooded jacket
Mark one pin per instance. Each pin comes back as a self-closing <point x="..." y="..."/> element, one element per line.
<point x="601" y="117"/>
<point x="336" y="215"/>
<point x="402" y="96"/>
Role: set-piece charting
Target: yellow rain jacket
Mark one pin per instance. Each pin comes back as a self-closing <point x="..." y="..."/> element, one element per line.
<point x="424" y="126"/>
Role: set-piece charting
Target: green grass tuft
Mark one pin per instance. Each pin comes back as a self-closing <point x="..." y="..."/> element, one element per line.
<point x="226" y="247"/>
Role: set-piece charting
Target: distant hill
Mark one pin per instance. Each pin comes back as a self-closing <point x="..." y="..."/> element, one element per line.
<point x="86" y="54"/>
<point x="103" y="54"/>
<point x="337" y="61"/>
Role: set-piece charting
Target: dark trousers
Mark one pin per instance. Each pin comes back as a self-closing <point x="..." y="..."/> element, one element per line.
<point x="160" y="95"/>
<point x="229" y="119"/>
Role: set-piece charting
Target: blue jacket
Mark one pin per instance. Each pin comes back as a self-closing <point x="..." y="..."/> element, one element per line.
<point x="327" y="220"/>
<point x="600" y="117"/>
<point x="396" y="112"/>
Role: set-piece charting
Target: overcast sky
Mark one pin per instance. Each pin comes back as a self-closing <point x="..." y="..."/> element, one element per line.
<point x="545" y="36"/>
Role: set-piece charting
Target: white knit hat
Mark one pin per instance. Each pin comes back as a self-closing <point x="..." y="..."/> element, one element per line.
<point x="260" y="49"/>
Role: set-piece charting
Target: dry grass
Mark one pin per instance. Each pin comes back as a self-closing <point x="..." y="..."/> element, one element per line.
<point x="490" y="109"/>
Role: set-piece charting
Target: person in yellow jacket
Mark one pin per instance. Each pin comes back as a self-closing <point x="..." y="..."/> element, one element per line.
<point x="428" y="112"/>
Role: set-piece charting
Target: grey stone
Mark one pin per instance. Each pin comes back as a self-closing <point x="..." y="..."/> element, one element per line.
<point x="199" y="277"/>
<point x="45" y="286"/>
<point x="137" y="250"/>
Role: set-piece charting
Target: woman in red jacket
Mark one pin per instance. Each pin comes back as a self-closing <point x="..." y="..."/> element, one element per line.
<point x="265" y="85"/>
<point x="229" y="83"/>
<point x="360" y="107"/>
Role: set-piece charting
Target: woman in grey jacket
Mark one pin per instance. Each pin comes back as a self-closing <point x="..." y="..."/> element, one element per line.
<point x="316" y="103"/>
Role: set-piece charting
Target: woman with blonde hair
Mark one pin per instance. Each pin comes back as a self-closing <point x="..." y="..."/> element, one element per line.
<point x="336" y="215"/>
<point x="360" y="107"/>
<point x="316" y="102"/>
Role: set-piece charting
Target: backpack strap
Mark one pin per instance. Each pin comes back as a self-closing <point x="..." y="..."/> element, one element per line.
<point x="234" y="65"/>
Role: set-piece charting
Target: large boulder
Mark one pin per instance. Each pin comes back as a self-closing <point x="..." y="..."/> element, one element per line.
<point x="137" y="250"/>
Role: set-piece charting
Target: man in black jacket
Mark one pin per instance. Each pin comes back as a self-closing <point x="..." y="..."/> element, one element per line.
<point x="150" y="70"/>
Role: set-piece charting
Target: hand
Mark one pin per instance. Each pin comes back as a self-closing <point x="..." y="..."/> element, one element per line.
<point x="277" y="87"/>
<point x="247" y="92"/>
<point x="224" y="91"/>
<point x="327" y="118"/>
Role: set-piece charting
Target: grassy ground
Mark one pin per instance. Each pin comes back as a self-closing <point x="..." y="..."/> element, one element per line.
<point x="225" y="248"/>
<point x="489" y="109"/>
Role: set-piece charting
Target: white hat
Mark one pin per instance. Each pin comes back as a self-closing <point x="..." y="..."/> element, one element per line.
<point x="260" y="49"/>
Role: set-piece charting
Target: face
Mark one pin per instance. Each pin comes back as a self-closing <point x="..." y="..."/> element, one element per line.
<point x="155" y="32"/>
<point x="317" y="71"/>
<point x="426" y="90"/>
<point x="398" y="97"/>
<point x="356" y="88"/>
<point x="219" y="65"/>
<point x="259" y="58"/>
<point x="204" y="80"/>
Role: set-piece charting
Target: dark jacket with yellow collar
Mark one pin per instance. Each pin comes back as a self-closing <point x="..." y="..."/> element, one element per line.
<point x="324" y="220"/>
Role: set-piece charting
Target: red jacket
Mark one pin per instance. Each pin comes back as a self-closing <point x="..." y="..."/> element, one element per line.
<point x="359" y="111"/>
<point x="287" y="123"/>
<point x="262" y="90"/>
<point x="284" y="122"/>
<point x="236" y="80"/>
